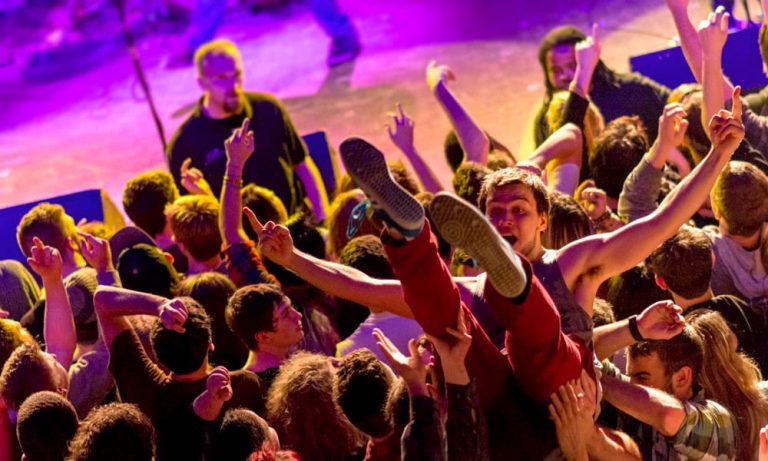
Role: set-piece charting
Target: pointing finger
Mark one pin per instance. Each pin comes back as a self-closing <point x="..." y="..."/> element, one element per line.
<point x="255" y="223"/>
<point x="737" y="103"/>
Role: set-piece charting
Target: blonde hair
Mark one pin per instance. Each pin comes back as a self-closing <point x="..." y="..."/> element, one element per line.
<point x="593" y="120"/>
<point x="213" y="48"/>
<point x="731" y="378"/>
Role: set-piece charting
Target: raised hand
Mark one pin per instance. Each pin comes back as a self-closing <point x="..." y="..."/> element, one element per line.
<point x="726" y="129"/>
<point x="193" y="179"/>
<point x="219" y="384"/>
<point x="592" y="199"/>
<point x="713" y="32"/>
<point x="240" y="145"/>
<point x="45" y="260"/>
<point x="672" y="126"/>
<point x="275" y="240"/>
<point x="438" y="75"/>
<point x="173" y="314"/>
<point x="402" y="135"/>
<point x="96" y="252"/>
<point x="453" y="351"/>
<point x="661" y="320"/>
<point x="588" y="51"/>
<point x="412" y="369"/>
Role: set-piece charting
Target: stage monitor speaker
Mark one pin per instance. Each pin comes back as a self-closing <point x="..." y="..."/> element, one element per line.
<point x="93" y="205"/>
<point x="325" y="158"/>
<point x="741" y="62"/>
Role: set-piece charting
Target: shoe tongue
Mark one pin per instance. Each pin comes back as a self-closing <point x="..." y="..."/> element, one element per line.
<point x="357" y="217"/>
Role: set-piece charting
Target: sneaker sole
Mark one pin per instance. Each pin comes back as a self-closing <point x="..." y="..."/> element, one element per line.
<point x="367" y="166"/>
<point x="462" y="225"/>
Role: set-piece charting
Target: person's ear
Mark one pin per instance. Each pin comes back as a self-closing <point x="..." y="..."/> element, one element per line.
<point x="682" y="380"/>
<point x="543" y="221"/>
<point x="262" y="337"/>
<point x="169" y="256"/>
<point x="660" y="283"/>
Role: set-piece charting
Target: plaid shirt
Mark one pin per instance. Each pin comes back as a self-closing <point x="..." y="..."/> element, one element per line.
<point x="707" y="432"/>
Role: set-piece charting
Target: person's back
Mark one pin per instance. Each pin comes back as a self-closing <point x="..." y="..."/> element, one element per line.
<point x="740" y="202"/>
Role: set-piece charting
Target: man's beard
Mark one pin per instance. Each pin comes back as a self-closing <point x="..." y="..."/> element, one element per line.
<point x="232" y="103"/>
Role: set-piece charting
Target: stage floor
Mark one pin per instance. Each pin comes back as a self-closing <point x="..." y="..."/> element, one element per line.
<point x="95" y="130"/>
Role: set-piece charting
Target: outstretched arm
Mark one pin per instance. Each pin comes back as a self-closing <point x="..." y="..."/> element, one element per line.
<point x="335" y="279"/>
<point x="58" y="323"/>
<point x="602" y="256"/>
<point x="660" y="321"/>
<point x="651" y="406"/>
<point x="402" y="137"/>
<point x="473" y="140"/>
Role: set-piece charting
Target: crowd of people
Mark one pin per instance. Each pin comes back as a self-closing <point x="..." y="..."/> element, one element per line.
<point x="606" y="298"/>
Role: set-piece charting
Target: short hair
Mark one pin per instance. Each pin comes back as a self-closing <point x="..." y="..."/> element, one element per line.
<point x="49" y="223"/>
<point x="240" y="433"/>
<point x="403" y="176"/>
<point x="117" y="431"/>
<point x="684" y="262"/>
<point x="567" y="221"/>
<point x="307" y="239"/>
<point x="183" y="353"/>
<point x="213" y="48"/>
<point x="468" y="179"/>
<point x="563" y="35"/>
<point x="302" y="410"/>
<point x="213" y="290"/>
<point x="513" y="176"/>
<point x="691" y="98"/>
<point x="12" y="335"/>
<point x="27" y="371"/>
<point x="361" y="390"/>
<point x="366" y="254"/>
<point x="454" y="153"/>
<point x="265" y="204"/>
<point x="602" y="312"/>
<point x="251" y="310"/>
<point x="632" y="291"/>
<point x="459" y="260"/>
<point x="45" y="424"/>
<point x="339" y="216"/>
<point x="617" y="150"/>
<point x="740" y="195"/>
<point x="19" y="291"/>
<point x="195" y="223"/>
<point x="145" y="198"/>
<point x="684" y="350"/>
<point x="145" y="268"/>
<point x="443" y="247"/>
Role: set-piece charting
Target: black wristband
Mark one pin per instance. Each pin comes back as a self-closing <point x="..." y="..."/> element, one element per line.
<point x="634" y="330"/>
